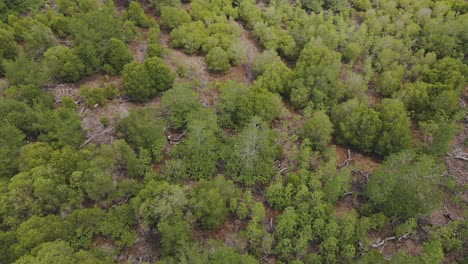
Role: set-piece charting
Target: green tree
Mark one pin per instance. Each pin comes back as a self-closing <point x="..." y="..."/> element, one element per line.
<point x="250" y="159"/>
<point x="116" y="56"/>
<point x="171" y="243"/>
<point x="178" y="103"/>
<point x="199" y="149"/>
<point x="25" y="71"/>
<point x="238" y="104"/>
<point x="8" y="49"/>
<point x="142" y="130"/>
<point x="144" y="81"/>
<point x="217" y="60"/>
<point x="172" y="17"/>
<point x="208" y="201"/>
<point x="190" y="37"/>
<point x="319" y="67"/>
<point x="389" y="81"/>
<point x="357" y="125"/>
<point x="11" y="140"/>
<point x="137" y="15"/>
<point x="406" y="185"/>
<point x="159" y="201"/>
<point x="396" y="134"/>
<point x="275" y="78"/>
<point x="37" y="230"/>
<point x="116" y="224"/>
<point x="64" y="64"/>
<point x="318" y="130"/>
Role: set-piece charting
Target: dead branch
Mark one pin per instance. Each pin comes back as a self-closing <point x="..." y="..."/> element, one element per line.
<point x="283" y="170"/>
<point x="83" y="110"/>
<point x="91" y="138"/>
<point x="383" y="241"/>
<point x="459" y="154"/>
<point x="175" y="139"/>
<point x="346" y="193"/>
<point x="447" y="213"/>
<point x="347" y="161"/>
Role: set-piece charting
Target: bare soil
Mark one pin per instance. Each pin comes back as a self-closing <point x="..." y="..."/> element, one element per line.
<point x="146" y="248"/>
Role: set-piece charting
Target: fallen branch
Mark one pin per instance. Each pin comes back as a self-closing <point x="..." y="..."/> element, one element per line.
<point x="383" y="241"/>
<point x="83" y="110"/>
<point x="346" y="193"/>
<point x="459" y="154"/>
<point x="447" y="213"/>
<point x="91" y="138"/>
<point x="346" y="162"/>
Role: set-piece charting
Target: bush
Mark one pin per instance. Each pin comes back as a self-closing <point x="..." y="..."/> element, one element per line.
<point x="144" y="81"/>
<point x="117" y="55"/>
<point x="217" y="60"/>
<point x="318" y="130"/>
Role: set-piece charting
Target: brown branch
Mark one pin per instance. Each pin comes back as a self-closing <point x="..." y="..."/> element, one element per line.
<point x="91" y="138"/>
<point x="346" y="162"/>
<point x="459" y="154"/>
<point x="447" y="213"/>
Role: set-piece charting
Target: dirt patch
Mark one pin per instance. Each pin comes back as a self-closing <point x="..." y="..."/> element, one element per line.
<point x="228" y="233"/>
<point x="361" y="161"/>
<point x="287" y="129"/>
<point x="345" y="205"/>
<point x="145" y="249"/>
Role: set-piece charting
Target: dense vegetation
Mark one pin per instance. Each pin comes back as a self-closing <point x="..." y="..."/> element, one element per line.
<point x="252" y="173"/>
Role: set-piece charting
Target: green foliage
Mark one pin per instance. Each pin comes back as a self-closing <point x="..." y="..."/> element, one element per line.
<point x="178" y="103"/>
<point x="174" y="235"/>
<point x="64" y="64"/>
<point x="172" y="17"/>
<point x="159" y="201"/>
<point x="336" y="185"/>
<point x="252" y="153"/>
<point x="208" y="201"/>
<point x="439" y="137"/>
<point x="319" y="69"/>
<point x="143" y="131"/>
<point x="407" y="227"/>
<point x="37" y="230"/>
<point x="318" y="130"/>
<point x="92" y="96"/>
<point x="28" y="94"/>
<point x="217" y="60"/>
<point x="58" y="252"/>
<point x="405" y="186"/>
<point x="24" y="71"/>
<point x="396" y="134"/>
<point x="190" y="37"/>
<point x="7" y="47"/>
<point x="275" y="78"/>
<point x="144" y="81"/>
<point x="230" y="256"/>
<point x="136" y="14"/>
<point x="116" y="56"/>
<point x="116" y="224"/>
<point x="199" y="149"/>
<point x="11" y="140"/>
<point x="356" y="124"/>
<point x="239" y="104"/>
<point x="390" y="81"/>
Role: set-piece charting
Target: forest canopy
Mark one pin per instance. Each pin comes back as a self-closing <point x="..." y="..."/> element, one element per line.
<point x="217" y="131"/>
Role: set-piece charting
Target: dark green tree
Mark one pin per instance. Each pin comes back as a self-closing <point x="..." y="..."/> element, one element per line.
<point x="116" y="56"/>
<point x="318" y="129"/>
<point x="64" y="64"/>
<point x="406" y="185"/>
